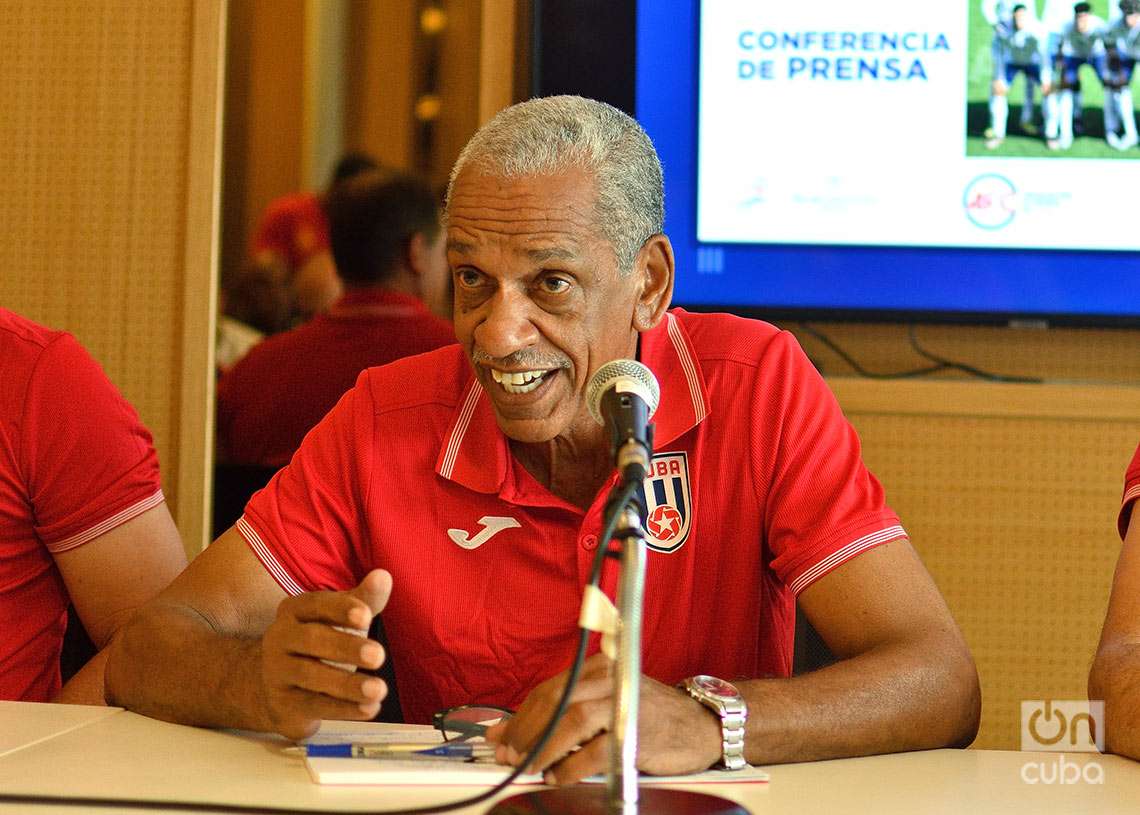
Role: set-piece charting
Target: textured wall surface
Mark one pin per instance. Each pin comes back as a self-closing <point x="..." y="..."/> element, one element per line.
<point x="1010" y="495"/>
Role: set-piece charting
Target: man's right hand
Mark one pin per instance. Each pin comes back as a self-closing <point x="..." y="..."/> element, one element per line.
<point x="299" y="688"/>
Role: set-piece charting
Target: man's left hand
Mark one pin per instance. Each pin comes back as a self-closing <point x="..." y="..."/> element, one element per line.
<point x="676" y="734"/>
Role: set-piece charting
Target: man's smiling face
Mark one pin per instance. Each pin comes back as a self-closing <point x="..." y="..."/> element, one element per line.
<point x="540" y="304"/>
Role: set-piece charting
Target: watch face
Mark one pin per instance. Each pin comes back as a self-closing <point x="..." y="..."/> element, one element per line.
<point x="715" y="687"/>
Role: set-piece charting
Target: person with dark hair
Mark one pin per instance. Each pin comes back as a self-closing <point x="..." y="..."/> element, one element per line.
<point x="83" y="520"/>
<point x="1021" y="47"/>
<point x="386" y="239"/>
<point x="351" y="164"/>
<point x="1081" y="43"/>
<point x="292" y="242"/>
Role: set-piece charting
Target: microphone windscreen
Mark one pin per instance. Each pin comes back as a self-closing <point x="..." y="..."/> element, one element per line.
<point x="637" y="377"/>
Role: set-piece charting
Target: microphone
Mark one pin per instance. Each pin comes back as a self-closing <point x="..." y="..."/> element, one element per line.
<point x="622" y="395"/>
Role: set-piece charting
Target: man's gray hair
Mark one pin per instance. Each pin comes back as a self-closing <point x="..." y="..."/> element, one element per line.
<point x="556" y="133"/>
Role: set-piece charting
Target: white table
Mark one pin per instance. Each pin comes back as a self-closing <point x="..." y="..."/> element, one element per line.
<point x="77" y="751"/>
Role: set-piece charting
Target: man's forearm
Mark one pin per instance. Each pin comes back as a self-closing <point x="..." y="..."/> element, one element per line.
<point x="889" y="699"/>
<point x="170" y="663"/>
<point x="1115" y="678"/>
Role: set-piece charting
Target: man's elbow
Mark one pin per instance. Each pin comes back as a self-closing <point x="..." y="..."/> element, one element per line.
<point x="964" y="699"/>
<point x="952" y="696"/>
<point x="1115" y="680"/>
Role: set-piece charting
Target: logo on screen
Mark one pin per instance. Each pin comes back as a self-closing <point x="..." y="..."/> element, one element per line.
<point x="991" y="201"/>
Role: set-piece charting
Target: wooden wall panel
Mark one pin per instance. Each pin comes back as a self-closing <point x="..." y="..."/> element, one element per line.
<point x="459" y="85"/>
<point x="1009" y="493"/>
<point x="264" y="115"/>
<point x="380" y="87"/>
<point x="95" y="194"/>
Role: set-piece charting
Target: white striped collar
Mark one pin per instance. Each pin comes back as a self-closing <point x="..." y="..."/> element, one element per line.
<point x="475" y="452"/>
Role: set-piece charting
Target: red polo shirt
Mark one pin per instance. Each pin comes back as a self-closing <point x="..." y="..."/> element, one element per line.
<point x="278" y="391"/>
<point x="757" y="490"/>
<point x="75" y="463"/>
<point x="1131" y="493"/>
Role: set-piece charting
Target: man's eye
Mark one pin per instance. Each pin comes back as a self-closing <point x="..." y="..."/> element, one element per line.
<point x="554" y="285"/>
<point x="468" y="277"/>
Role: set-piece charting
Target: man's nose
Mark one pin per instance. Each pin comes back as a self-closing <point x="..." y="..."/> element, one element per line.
<point x="507" y="327"/>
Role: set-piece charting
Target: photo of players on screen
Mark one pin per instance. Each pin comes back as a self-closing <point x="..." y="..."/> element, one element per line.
<point x="1064" y="68"/>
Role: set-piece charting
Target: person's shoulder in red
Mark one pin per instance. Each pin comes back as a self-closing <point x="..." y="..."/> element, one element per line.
<point x="298" y="376"/>
<point x="419" y="329"/>
<point x="41" y="365"/>
<point x="727" y="336"/>
<point x="22" y="339"/>
<point x="82" y="452"/>
<point x="433" y="378"/>
<point x="1131" y="493"/>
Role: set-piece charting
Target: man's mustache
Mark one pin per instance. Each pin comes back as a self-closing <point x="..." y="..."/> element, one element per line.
<point x="524" y="358"/>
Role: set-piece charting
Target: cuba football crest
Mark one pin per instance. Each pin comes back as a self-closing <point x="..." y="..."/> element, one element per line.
<point x="668" y="502"/>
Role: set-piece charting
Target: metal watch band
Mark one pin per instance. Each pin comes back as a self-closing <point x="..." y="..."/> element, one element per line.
<point x="732" y="739"/>
<point x="733" y="714"/>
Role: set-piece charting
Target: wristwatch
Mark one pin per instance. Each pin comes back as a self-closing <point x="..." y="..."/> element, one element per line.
<point x="727" y="703"/>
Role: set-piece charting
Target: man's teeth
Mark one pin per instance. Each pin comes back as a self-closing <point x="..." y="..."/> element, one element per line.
<point x="518" y="381"/>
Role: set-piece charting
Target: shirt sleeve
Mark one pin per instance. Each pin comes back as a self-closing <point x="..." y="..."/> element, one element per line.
<point x="90" y="463"/>
<point x="823" y="507"/>
<point x="308" y="526"/>
<point x="1131" y="493"/>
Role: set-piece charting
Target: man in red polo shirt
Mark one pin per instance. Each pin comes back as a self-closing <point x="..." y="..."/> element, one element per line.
<point x="1115" y="675"/>
<point x="389" y="250"/>
<point x="461" y="494"/>
<point x="82" y="515"/>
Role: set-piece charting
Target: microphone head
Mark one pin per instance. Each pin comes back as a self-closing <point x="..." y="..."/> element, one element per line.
<point x="630" y="375"/>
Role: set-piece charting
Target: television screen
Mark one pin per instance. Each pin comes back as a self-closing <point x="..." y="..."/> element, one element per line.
<point x="897" y="159"/>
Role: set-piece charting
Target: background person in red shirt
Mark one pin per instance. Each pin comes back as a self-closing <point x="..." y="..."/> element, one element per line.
<point x="289" y="253"/>
<point x="82" y="515"/>
<point x="461" y="493"/>
<point x="388" y="245"/>
<point x="1115" y="675"/>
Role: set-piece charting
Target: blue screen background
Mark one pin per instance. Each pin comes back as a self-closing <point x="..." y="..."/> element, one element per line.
<point x="1094" y="288"/>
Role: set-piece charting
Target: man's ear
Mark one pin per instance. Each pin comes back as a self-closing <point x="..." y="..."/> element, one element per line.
<point x="419" y="248"/>
<point x="654" y="266"/>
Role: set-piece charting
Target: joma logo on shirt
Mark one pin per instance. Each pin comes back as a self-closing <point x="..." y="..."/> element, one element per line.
<point x="492" y="525"/>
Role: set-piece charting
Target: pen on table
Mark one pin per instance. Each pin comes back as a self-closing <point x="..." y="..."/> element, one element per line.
<point x="343" y="750"/>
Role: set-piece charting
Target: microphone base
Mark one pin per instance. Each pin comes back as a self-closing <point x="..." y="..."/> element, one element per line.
<point x="593" y="799"/>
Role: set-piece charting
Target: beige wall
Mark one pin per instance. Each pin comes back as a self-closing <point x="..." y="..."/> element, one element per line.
<point x="107" y="204"/>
